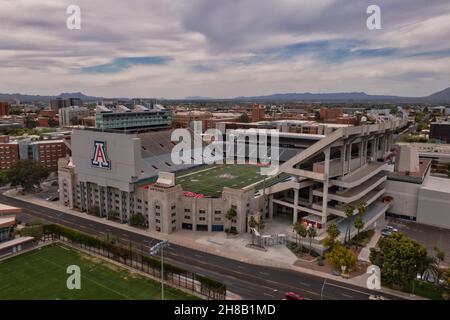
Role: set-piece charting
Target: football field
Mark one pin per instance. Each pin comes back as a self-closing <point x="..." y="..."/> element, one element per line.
<point x="211" y="181"/>
<point x="41" y="274"/>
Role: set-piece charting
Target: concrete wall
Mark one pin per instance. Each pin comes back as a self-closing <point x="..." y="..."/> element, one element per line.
<point x="124" y="152"/>
<point x="405" y="197"/>
<point x="434" y="208"/>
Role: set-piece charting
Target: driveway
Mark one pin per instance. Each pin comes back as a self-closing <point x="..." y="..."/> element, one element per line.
<point x="426" y="235"/>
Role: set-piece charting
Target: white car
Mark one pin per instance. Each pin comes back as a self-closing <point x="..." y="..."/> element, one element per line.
<point x="377" y="297"/>
<point x="391" y="228"/>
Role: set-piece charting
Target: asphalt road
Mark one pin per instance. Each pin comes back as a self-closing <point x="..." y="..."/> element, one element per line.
<point x="247" y="280"/>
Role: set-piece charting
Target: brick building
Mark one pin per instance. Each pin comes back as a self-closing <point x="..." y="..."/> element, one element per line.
<point x="4" y="109"/>
<point x="258" y="113"/>
<point x="331" y="114"/>
<point x="47" y="152"/>
<point x="9" y="153"/>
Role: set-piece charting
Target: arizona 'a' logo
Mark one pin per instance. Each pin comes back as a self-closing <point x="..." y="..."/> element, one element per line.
<point x="100" y="158"/>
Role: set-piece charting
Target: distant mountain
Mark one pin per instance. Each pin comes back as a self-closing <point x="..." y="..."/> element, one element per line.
<point x="441" y="96"/>
<point x="339" y="96"/>
<point x="198" y="98"/>
<point x="28" y="97"/>
<point x="438" y="97"/>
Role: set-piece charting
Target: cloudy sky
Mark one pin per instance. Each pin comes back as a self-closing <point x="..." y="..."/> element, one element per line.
<point x="224" y="48"/>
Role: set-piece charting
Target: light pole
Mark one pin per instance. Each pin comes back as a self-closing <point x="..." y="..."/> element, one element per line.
<point x="323" y="286"/>
<point x="159" y="247"/>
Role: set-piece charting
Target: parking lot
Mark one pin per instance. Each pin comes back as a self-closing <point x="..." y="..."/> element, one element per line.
<point x="426" y="235"/>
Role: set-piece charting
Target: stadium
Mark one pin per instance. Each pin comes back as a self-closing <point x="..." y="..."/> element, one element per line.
<point x="130" y="178"/>
<point x="122" y="176"/>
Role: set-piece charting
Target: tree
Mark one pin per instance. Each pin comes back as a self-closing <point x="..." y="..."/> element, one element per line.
<point x="30" y="122"/>
<point x="27" y="174"/>
<point x="301" y="232"/>
<point x="349" y="209"/>
<point x="312" y="233"/>
<point x="244" y="118"/>
<point x="35" y="231"/>
<point x="333" y="233"/>
<point x="231" y="215"/>
<point x="400" y="258"/>
<point x="75" y="121"/>
<point x="252" y="223"/>
<point x="261" y="224"/>
<point x="137" y="220"/>
<point x="341" y="256"/>
<point x="111" y="215"/>
<point x="359" y="224"/>
<point x="52" y="123"/>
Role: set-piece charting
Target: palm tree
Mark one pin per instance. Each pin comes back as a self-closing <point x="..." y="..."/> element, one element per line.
<point x="333" y="233"/>
<point x="362" y="207"/>
<point x="312" y="233"/>
<point x="359" y="224"/>
<point x="231" y="214"/>
<point x="300" y="230"/>
<point x="349" y="209"/>
<point x="252" y="224"/>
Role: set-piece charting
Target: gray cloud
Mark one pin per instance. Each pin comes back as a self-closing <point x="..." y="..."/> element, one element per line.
<point x="225" y="48"/>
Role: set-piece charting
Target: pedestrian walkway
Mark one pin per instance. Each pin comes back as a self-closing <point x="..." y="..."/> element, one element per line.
<point x="364" y="254"/>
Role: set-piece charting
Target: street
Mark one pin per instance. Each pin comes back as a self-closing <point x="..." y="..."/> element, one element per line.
<point x="247" y="280"/>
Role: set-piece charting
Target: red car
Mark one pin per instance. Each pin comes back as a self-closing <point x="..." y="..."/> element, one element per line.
<point x="292" y="296"/>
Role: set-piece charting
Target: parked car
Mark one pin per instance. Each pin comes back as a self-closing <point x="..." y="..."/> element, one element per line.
<point x="52" y="198"/>
<point x="292" y="296"/>
<point x="391" y="228"/>
<point x="386" y="232"/>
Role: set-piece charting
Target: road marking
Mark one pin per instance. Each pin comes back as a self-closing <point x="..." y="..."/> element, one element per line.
<point x="125" y="235"/>
<point x="241" y="267"/>
<point x="347" y="295"/>
<point x="305" y="284"/>
<point x="269" y="295"/>
<point x="338" y="286"/>
<point x="198" y="255"/>
<point x="264" y="273"/>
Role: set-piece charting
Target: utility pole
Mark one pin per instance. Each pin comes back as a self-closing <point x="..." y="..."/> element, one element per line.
<point x="159" y="247"/>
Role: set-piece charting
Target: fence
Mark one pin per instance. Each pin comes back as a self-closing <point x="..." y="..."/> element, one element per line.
<point x="131" y="257"/>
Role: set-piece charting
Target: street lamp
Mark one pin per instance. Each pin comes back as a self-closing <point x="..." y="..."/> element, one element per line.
<point x="159" y="247"/>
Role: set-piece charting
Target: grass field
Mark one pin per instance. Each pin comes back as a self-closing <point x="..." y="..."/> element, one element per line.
<point x="210" y="181"/>
<point x="41" y="274"/>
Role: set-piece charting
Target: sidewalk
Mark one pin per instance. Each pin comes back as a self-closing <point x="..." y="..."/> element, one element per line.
<point x="365" y="252"/>
<point x="218" y="244"/>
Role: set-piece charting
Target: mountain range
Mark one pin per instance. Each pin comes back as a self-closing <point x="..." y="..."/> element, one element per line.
<point x="438" y="97"/>
<point x="29" y="97"/>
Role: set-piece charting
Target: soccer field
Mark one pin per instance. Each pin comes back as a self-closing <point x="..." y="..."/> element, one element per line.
<point x="41" y="274"/>
<point x="210" y="181"/>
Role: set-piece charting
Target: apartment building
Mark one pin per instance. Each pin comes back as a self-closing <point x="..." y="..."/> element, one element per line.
<point x="46" y="152"/>
<point x="9" y="153"/>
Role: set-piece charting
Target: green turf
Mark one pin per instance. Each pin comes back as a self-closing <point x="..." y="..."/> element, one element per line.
<point x="41" y="274"/>
<point x="211" y="181"/>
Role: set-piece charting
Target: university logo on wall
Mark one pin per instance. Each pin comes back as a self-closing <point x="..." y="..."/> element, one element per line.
<point x="100" y="158"/>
